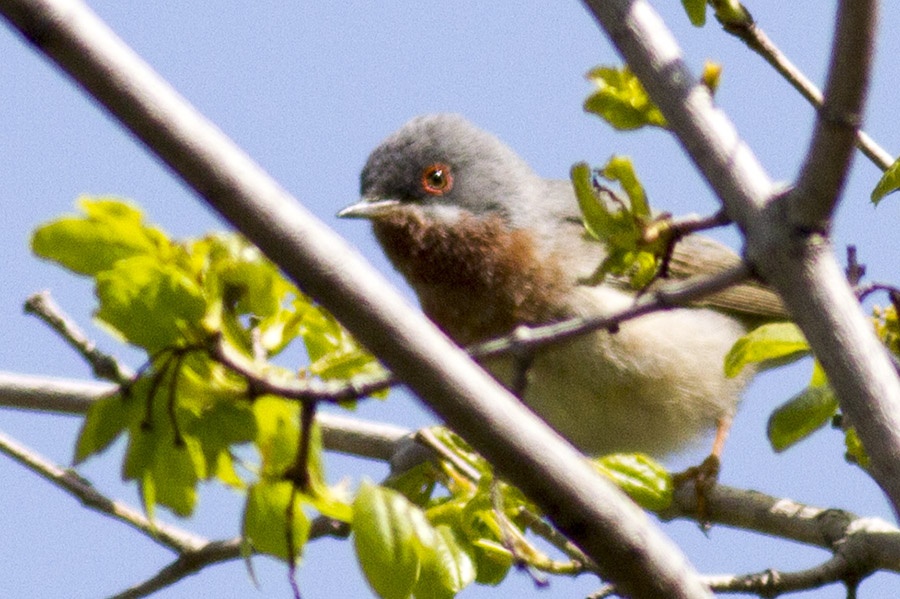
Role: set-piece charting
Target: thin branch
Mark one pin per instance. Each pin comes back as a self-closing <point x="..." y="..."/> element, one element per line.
<point x="347" y="435"/>
<point x="185" y="564"/>
<point x="757" y="40"/>
<point x="769" y="583"/>
<point x="828" y="159"/>
<point x="45" y="394"/>
<point x="104" y="366"/>
<point x="531" y="338"/>
<point x="214" y="552"/>
<point x="69" y="481"/>
<point x="314" y="390"/>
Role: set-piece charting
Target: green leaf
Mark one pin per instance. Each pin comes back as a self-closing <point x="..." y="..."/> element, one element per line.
<point x="768" y="346"/>
<point x="388" y="535"/>
<point x="800" y="416"/>
<point x="166" y="466"/>
<point x="645" y="480"/>
<point x="277" y="434"/>
<point x="447" y="570"/>
<point x="889" y="182"/>
<point x="167" y="472"/>
<point x="621" y="226"/>
<point x="621" y="169"/>
<point x="492" y="562"/>
<point x="265" y="524"/>
<point x="106" y="419"/>
<point x="856" y="453"/>
<point x="151" y="304"/>
<point x="731" y="13"/>
<point x="621" y="100"/>
<point x="696" y="11"/>
<point x="110" y="231"/>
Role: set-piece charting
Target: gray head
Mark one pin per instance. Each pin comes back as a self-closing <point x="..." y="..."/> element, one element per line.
<point x="445" y="162"/>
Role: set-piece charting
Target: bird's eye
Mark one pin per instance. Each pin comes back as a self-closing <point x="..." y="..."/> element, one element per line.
<point x="436" y="179"/>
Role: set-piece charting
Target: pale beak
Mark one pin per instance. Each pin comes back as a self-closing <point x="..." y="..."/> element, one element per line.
<point x="369" y="207"/>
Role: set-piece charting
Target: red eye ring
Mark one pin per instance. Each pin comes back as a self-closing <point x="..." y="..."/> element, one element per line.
<point x="437" y="179"/>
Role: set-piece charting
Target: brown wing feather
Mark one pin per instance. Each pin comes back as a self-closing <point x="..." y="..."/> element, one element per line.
<point x="699" y="256"/>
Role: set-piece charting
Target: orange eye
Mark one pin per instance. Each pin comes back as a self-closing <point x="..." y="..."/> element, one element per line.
<point x="436" y="179"/>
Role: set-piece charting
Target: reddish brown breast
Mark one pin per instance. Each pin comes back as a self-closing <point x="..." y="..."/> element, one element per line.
<point x="475" y="278"/>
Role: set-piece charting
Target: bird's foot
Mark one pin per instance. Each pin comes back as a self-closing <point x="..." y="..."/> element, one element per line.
<point x="705" y="477"/>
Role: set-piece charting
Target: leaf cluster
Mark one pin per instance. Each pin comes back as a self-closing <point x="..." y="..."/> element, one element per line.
<point x="186" y="416"/>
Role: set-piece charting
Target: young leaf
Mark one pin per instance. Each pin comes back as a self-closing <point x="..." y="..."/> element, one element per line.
<point x="889" y="182"/>
<point x="619" y="225"/>
<point x="448" y="569"/>
<point x="387" y="537"/>
<point x="621" y="100"/>
<point x="768" y="346"/>
<point x="277" y="434"/>
<point x="731" y="13"/>
<point x="800" y="416"/>
<point x="166" y="471"/>
<point x="621" y="170"/>
<point x="645" y="481"/>
<point x="855" y="450"/>
<point x="696" y="11"/>
<point x="110" y="231"/>
<point x="106" y="419"/>
<point x="151" y="304"/>
<point x="265" y="524"/>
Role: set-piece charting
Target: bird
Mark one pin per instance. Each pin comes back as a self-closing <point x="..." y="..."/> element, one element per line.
<point x="488" y="245"/>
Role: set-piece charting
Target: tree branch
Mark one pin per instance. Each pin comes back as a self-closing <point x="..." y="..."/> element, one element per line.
<point x="531" y="338"/>
<point x="798" y="263"/>
<point x="69" y="481"/>
<point x="757" y="40"/>
<point x="831" y="151"/>
<point x="105" y="366"/>
<point x="861" y="545"/>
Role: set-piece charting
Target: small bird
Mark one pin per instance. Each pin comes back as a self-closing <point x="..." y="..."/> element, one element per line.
<point x="488" y="245"/>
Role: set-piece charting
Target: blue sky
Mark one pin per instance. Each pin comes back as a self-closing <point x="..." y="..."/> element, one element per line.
<point x="308" y="89"/>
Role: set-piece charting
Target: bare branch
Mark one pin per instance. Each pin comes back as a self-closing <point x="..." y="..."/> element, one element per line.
<point x="68" y="480"/>
<point x="214" y="552"/>
<point x="757" y="40"/>
<point x="828" y="159"/>
<point x="105" y="366"/>
<point x="530" y="338"/>
<point x="45" y="394"/>
<point x="185" y="564"/>
<point x="303" y="390"/>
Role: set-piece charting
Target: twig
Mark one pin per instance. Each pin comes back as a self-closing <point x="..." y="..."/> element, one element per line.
<point x="757" y="40"/>
<point x="215" y="552"/>
<point x="427" y="438"/>
<point x="303" y="390"/>
<point x="769" y="583"/>
<point x="663" y="299"/>
<point x="104" y="366"/>
<point x="165" y="534"/>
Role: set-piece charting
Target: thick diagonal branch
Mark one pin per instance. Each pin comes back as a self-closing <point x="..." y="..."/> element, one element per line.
<point x="797" y="261"/>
